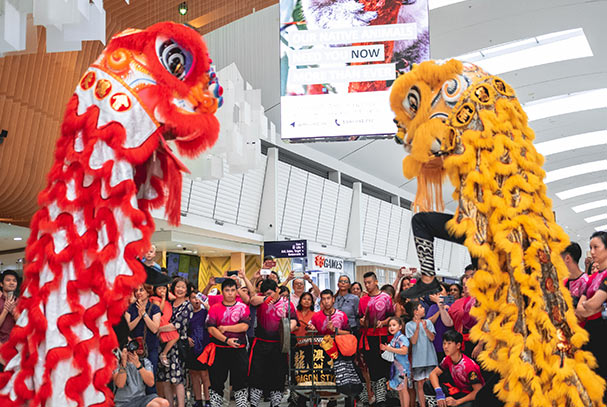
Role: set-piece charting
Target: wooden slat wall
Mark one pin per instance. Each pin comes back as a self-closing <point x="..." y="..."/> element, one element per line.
<point x="35" y="88"/>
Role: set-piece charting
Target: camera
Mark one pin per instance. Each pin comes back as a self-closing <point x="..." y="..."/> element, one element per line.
<point x="132" y="346"/>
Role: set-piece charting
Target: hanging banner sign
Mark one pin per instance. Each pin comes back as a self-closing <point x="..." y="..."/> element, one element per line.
<point x="286" y="249"/>
<point x="338" y="60"/>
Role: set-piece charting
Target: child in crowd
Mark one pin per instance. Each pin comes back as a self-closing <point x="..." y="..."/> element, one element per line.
<point x="400" y="370"/>
<point x="457" y="379"/>
<point x="421" y="334"/>
<point x="169" y="338"/>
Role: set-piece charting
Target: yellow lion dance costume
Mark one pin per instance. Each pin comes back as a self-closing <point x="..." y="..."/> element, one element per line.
<point x="455" y="119"/>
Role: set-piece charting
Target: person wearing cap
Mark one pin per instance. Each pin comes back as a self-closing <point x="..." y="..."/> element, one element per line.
<point x="8" y="303"/>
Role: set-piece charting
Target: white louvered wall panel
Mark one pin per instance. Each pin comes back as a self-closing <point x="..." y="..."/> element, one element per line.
<point x="411" y="253"/>
<point x="342" y="216"/>
<point x="439" y="249"/>
<point x="186" y="187"/>
<point x="294" y="203"/>
<point x="371" y="220"/>
<point x="447" y="256"/>
<point x="202" y="202"/>
<point x="364" y="212"/>
<point x="311" y="209"/>
<point x="459" y="256"/>
<point x="393" y="231"/>
<point x="442" y="255"/>
<point x="284" y="172"/>
<point x="404" y="236"/>
<point x="327" y="212"/>
<point x="383" y="227"/>
<point x="250" y="198"/>
<point x="228" y="196"/>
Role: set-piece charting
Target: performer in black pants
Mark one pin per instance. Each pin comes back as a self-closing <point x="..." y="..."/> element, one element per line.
<point x="227" y="323"/>
<point x="268" y="366"/>
<point x="427" y="226"/>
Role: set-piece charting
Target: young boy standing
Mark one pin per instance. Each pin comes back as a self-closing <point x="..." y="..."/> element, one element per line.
<point x="457" y="379"/>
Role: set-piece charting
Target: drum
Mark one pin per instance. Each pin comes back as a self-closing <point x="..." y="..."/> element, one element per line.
<point x="285" y="334"/>
<point x="311" y="365"/>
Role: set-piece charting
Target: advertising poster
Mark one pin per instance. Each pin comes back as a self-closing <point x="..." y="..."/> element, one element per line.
<point x="338" y="61"/>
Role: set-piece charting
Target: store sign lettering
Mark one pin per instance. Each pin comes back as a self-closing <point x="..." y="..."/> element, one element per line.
<point x="332" y="263"/>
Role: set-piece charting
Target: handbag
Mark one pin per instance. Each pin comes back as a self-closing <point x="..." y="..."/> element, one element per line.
<point x="183" y="347"/>
<point x="346" y="344"/>
<point x="387" y="356"/>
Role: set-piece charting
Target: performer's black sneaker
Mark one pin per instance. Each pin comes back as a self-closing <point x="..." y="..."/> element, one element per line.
<point x="421" y="289"/>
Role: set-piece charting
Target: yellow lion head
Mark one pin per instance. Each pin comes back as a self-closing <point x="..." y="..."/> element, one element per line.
<point x="422" y="101"/>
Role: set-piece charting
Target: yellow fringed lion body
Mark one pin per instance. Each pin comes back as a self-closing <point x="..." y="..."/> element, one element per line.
<point x="457" y="120"/>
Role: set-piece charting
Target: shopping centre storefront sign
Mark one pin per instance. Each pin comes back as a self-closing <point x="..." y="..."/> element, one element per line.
<point x="327" y="263"/>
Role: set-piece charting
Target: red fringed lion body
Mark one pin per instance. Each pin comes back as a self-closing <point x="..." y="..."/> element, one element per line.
<point x="112" y="166"/>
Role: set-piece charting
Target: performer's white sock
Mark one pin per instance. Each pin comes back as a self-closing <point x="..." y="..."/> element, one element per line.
<point x="216" y="400"/>
<point x="255" y="396"/>
<point x="275" y="398"/>
<point x="241" y="397"/>
<point x="380" y="389"/>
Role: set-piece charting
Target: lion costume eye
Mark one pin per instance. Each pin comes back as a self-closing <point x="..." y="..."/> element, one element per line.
<point x="175" y="59"/>
<point x="411" y="102"/>
<point x="452" y="89"/>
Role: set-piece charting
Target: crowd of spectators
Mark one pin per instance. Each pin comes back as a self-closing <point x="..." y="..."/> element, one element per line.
<point x="175" y="340"/>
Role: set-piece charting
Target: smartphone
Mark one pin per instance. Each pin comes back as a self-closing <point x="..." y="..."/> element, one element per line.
<point x="232" y="273"/>
<point x="265" y="272"/>
<point x="201" y="297"/>
<point x="448" y="299"/>
<point x="220" y="280"/>
<point x="298" y="274"/>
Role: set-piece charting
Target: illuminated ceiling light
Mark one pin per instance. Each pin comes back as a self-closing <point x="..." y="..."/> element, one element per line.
<point x="596" y="218"/>
<point x="590" y="205"/>
<point x="563" y="104"/>
<point x="17" y="238"/>
<point x="183" y="8"/>
<point x="586" y="189"/>
<point x="434" y="4"/>
<point x="601" y="228"/>
<point x="544" y="49"/>
<point x="575" y="170"/>
<point x="569" y="143"/>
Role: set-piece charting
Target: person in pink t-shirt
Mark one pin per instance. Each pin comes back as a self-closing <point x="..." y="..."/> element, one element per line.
<point x="8" y="303"/>
<point x="457" y="379"/>
<point x="268" y="366"/>
<point x="227" y="323"/>
<point x="375" y="310"/>
<point x="329" y="320"/>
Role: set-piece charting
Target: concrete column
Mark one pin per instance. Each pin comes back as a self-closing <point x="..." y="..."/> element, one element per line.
<point x="335" y="176"/>
<point x="237" y="261"/>
<point x="354" y="241"/>
<point x="268" y="213"/>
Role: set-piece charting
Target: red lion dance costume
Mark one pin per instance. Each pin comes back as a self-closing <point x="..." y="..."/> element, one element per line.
<point x="112" y="165"/>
